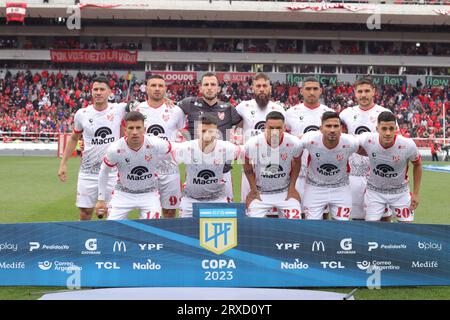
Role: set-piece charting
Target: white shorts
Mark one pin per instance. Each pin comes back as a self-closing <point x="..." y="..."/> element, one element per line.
<point x="400" y="203"/>
<point x="87" y="189"/>
<point x="123" y="202"/>
<point x="289" y="209"/>
<point x="186" y="208"/>
<point x="228" y="186"/>
<point x="339" y="201"/>
<point x="358" y="186"/>
<point x="170" y="190"/>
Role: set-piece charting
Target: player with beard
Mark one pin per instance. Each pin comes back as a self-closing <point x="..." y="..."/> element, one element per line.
<point x="357" y="120"/>
<point x="253" y="113"/>
<point x="306" y="117"/>
<point x="209" y="103"/>
<point x="164" y="120"/>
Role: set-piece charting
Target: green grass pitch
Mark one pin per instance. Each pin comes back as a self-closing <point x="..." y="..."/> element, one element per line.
<point x="30" y="191"/>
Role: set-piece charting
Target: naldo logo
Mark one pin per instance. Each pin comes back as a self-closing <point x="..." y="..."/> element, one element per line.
<point x="101" y="136"/>
<point x="139" y="173"/>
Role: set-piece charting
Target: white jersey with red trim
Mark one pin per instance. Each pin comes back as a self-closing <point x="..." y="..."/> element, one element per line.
<point x="328" y="167"/>
<point x="272" y="166"/>
<point x="299" y="120"/>
<point x="163" y="122"/>
<point x="389" y="167"/>
<point x="137" y="168"/>
<point x="204" y="171"/>
<point x="100" y="129"/>
<point x="254" y="118"/>
<point x="357" y="122"/>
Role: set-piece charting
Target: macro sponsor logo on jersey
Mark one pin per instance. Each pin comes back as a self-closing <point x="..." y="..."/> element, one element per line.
<point x="55" y="247"/>
<point x="62" y="266"/>
<point x="311" y="128"/>
<point x="361" y="130"/>
<point x="12" y="265"/>
<point x="8" y="247"/>
<point x="377" y="265"/>
<point x="148" y="265"/>
<point x="157" y="131"/>
<point x="139" y="173"/>
<point x="261" y="125"/>
<point x="205" y="177"/>
<point x="101" y="136"/>
<point x="273" y="171"/>
<point x="294" y="265"/>
<point x="384" y="171"/>
<point x="328" y="169"/>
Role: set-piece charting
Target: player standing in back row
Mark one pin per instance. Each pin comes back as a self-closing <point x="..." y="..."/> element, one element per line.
<point x="99" y="124"/>
<point x="164" y="121"/>
<point x="359" y="119"/>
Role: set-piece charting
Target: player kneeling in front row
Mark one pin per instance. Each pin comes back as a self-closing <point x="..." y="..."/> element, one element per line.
<point x="387" y="184"/>
<point x="205" y="159"/>
<point x="136" y="157"/>
<point x="272" y="165"/>
<point x="327" y="181"/>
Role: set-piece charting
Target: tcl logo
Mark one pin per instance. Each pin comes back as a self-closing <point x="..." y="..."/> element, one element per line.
<point x="107" y="265"/>
<point x="332" y="265"/>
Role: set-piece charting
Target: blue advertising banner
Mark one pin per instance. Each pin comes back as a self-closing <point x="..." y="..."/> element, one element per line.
<point x="221" y="248"/>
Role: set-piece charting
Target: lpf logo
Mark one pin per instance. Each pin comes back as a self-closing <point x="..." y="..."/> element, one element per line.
<point x="218" y="229"/>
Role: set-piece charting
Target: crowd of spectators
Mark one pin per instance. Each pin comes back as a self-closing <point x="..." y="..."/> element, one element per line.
<point x="45" y="102"/>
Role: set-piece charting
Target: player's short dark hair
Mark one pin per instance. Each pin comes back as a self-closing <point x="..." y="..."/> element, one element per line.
<point x="311" y="79"/>
<point x="134" y="116"/>
<point x="101" y="79"/>
<point x="386" y="116"/>
<point x="208" y="118"/>
<point x="261" y="75"/>
<point x="209" y="74"/>
<point x="330" y="115"/>
<point x="364" y="80"/>
<point x="275" y="115"/>
<point x="155" y="76"/>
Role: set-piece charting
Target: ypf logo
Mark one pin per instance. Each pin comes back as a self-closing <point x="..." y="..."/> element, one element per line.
<point x="328" y="169"/>
<point x="101" y="136"/>
<point x="155" y="130"/>
<point x="139" y="173"/>
<point x="273" y="171"/>
<point x="261" y="125"/>
<point x="361" y="130"/>
<point x="384" y="171"/>
<point x="205" y="177"/>
<point x="311" y="128"/>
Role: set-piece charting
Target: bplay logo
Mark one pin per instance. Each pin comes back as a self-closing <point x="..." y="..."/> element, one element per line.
<point x="429" y="246"/>
<point x="8" y="247"/>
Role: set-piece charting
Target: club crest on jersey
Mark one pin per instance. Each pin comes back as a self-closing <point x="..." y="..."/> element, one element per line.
<point x="221" y="115"/>
<point x="110" y="117"/>
<point x="218" y="229"/>
<point x="339" y="157"/>
<point x="396" y="158"/>
<point x="284" y="156"/>
<point x="166" y="117"/>
<point x="148" y="158"/>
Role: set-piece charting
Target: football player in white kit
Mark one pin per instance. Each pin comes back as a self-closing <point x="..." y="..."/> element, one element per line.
<point x="136" y="157"/>
<point x="253" y="113"/>
<point x="164" y="121"/>
<point x="272" y="165"/>
<point x="327" y="181"/>
<point x="99" y="124"/>
<point x="387" y="184"/>
<point x="357" y="120"/>
<point x="205" y="159"/>
<point x="306" y="117"/>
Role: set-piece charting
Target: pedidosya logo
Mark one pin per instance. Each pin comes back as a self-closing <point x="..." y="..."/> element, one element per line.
<point x="155" y="130"/>
<point x="102" y="136"/>
<point x="273" y="171"/>
<point x="205" y="177"/>
<point x="139" y="173"/>
<point x="218" y="229"/>
<point x="384" y="171"/>
<point x="361" y="130"/>
<point x="311" y="128"/>
<point x="328" y="169"/>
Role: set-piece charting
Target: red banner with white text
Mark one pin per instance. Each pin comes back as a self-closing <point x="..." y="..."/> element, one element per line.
<point x="94" y="56"/>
